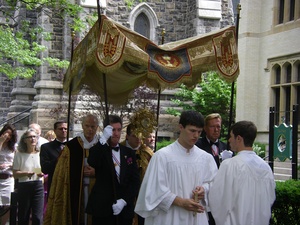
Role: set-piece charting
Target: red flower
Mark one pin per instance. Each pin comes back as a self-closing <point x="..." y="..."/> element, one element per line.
<point x="129" y="161"/>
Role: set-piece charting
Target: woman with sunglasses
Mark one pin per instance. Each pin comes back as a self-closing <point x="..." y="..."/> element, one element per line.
<point x="27" y="169"/>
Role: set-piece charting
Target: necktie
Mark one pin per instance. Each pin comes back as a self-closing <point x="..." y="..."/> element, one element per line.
<point x="62" y="144"/>
<point x="116" y="161"/>
<point x="214" y="147"/>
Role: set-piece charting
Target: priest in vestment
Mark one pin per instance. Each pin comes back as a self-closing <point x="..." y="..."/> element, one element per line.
<point x="243" y="190"/>
<point x="175" y="187"/>
<point x="72" y="178"/>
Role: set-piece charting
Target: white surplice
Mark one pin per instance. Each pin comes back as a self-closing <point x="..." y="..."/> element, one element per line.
<point x="243" y="191"/>
<point x="174" y="172"/>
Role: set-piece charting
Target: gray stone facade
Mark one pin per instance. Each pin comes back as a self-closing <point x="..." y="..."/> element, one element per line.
<point x="44" y="93"/>
<point x="6" y="86"/>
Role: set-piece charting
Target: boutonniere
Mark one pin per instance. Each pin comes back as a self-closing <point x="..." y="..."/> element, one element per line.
<point x="128" y="160"/>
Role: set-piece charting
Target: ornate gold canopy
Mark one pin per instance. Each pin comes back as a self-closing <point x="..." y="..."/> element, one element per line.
<point x="129" y="60"/>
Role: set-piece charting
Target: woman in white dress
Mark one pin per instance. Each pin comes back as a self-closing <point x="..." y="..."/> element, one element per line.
<point x="8" y="139"/>
<point x="27" y="169"/>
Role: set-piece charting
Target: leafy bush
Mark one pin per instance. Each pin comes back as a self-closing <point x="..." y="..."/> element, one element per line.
<point x="259" y="149"/>
<point x="162" y="144"/>
<point x="286" y="208"/>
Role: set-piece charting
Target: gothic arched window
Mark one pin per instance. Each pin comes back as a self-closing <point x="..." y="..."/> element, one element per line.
<point x="143" y="20"/>
<point x="142" y="25"/>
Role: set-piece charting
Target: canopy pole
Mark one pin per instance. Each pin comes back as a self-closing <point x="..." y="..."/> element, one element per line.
<point x="70" y="87"/>
<point x="105" y="98"/>
<point x="69" y="110"/>
<point x="106" y="116"/>
<point x="157" y="116"/>
<point x="163" y="32"/>
<point x="232" y="85"/>
<point x="104" y="75"/>
<point x="99" y="12"/>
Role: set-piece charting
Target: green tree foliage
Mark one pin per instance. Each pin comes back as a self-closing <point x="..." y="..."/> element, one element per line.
<point x="19" y="46"/>
<point x="212" y="95"/>
<point x="24" y="55"/>
<point x="163" y="144"/>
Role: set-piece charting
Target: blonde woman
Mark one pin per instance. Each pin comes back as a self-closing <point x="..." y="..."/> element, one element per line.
<point x="27" y="169"/>
<point x="8" y="139"/>
<point x="50" y="135"/>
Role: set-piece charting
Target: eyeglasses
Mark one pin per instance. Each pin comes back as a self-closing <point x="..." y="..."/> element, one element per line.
<point x="34" y="137"/>
<point x="61" y="128"/>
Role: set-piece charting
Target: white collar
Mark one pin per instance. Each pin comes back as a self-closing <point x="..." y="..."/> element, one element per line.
<point x="86" y="143"/>
<point x="127" y="145"/>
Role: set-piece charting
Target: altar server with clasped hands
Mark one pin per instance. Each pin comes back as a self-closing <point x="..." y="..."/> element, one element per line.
<point x="176" y="184"/>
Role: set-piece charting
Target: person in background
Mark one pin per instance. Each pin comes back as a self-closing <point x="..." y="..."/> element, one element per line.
<point x="143" y="153"/>
<point x="41" y="140"/>
<point x="243" y="190"/>
<point x="150" y="141"/>
<point x="143" y="156"/>
<point x="111" y="201"/>
<point x="73" y="178"/>
<point x="27" y="169"/>
<point x="51" y="150"/>
<point x="211" y="144"/>
<point x="8" y="140"/>
<point x="178" y="178"/>
<point x="50" y="135"/>
<point x="132" y="140"/>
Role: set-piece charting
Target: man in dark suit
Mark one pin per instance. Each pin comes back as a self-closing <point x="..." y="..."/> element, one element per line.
<point x="211" y="143"/>
<point x="51" y="150"/>
<point x="111" y="201"/>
